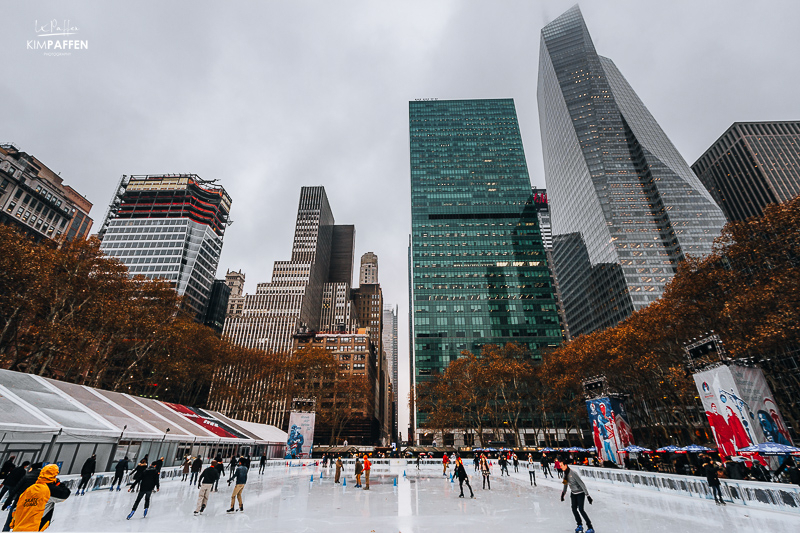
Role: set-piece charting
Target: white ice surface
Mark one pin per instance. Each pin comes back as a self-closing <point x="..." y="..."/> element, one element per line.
<point x="284" y="499"/>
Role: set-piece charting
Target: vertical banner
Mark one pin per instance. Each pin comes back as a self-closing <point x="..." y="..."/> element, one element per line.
<point x="301" y="435"/>
<point x="740" y="409"/>
<point x="611" y="430"/>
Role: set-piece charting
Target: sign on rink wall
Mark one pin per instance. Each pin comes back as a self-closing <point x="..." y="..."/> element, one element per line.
<point x="740" y="408"/>
<point x="610" y="428"/>
<point x="301" y="435"/>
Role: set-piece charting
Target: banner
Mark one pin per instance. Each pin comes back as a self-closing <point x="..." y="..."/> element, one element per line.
<point x="739" y="407"/>
<point x="301" y="435"/>
<point x="611" y="430"/>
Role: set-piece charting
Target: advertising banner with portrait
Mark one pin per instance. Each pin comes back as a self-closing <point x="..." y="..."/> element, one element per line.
<point x="611" y="430"/>
<point x="740" y="408"/>
<point x="301" y="435"/>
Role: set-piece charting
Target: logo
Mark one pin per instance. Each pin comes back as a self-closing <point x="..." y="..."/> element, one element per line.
<point x="56" y="38"/>
<point x="706" y="388"/>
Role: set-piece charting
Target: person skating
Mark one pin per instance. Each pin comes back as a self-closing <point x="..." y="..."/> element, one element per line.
<point x="578" y="494"/>
<point x="159" y="464"/>
<point x="197" y="466"/>
<point x="262" y="463"/>
<point x="240" y="476"/>
<point x="206" y="483"/>
<point x="531" y="470"/>
<point x="516" y="463"/>
<point x="186" y="467"/>
<point x="445" y="462"/>
<point x="138" y="472"/>
<point x="476" y="461"/>
<point x="712" y="476"/>
<point x="232" y="464"/>
<point x="119" y="472"/>
<point x="367" y="468"/>
<point x="418" y="457"/>
<point x="34" y="510"/>
<point x="461" y="473"/>
<point x="485" y="472"/>
<point x="557" y="465"/>
<point x="545" y="462"/>
<point x="503" y="462"/>
<point x="30" y="477"/>
<point x="87" y="471"/>
<point x="148" y="483"/>
<point x="790" y="467"/>
<point x="14" y="477"/>
<point x="8" y="466"/>
<point x="338" y="472"/>
<point x="359" y="469"/>
<point x="221" y="469"/>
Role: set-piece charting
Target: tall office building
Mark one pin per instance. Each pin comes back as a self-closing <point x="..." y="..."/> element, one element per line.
<point x="625" y="206"/>
<point x="35" y="200"/>
<point x="389" y="338"/>
<point x="169" y="227"/>
<point x="310" y="292"/>
<point x="235" y="280"/>
<point x="752" y="165"/>
<point x="368" y="274"/>
<point x="479" y="272"/>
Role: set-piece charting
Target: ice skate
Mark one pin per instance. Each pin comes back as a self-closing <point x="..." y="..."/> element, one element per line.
<point x="231" y="510"/>
<point x="202" y="508"/>
<point x="579" y="529"/>
<point x="590" y="530"/>
<point x="112" y="488"/>
<point x="460" y="495"/>
<point x="145" y="512"/>
<point x="241" y="508"/>
<point x="83" y="492"/>
<point x="131" y="515"/>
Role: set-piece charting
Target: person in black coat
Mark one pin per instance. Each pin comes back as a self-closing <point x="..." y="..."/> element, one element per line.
<point x="197" y="465"/>
<point x="461" y="474"/>
<point x="13" y="478"/>
<point x="159" y="464"/>
<point x="8" y="466"/>
<point x="14" y="494"/>
<point x="207" y="479"/>
<point x="137" y="474"/>
<point x="221" y="469"/>
<point x="148" y="483"/>
<point x="87" y="471"/>
<point x="119" y="472"/>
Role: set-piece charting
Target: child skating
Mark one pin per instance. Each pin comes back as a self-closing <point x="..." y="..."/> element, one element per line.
<point x="578" y="493"/>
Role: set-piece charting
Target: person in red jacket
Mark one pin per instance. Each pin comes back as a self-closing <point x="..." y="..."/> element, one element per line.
<point x="445" y="462"/>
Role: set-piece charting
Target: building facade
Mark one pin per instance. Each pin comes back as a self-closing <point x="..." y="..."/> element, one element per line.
<point x="625" y="206"/>
<point x="368" y="274"/>
<point x="35" y="200"/>
<point x="217" y="305"/>
<point x="235" y="280"/>
<point x="390" y="348"/>
<point x="169" y="227"/>
<point x="752" y="165"/>
<point x="478" y="267"/>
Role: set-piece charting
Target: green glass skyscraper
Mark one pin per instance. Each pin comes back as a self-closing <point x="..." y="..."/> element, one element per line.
<point x="479" y="272"/>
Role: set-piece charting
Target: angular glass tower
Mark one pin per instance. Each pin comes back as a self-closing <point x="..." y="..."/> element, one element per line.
<point x="479" y="272"/>
<point x="625" y="206"/>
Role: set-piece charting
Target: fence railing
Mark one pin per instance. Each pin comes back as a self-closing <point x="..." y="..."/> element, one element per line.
<point x="751" y="493"/>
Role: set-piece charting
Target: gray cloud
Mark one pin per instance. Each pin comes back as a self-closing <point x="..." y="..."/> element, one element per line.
<point x="269" y="96"/>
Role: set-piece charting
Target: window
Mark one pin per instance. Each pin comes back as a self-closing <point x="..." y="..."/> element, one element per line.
<point x="358" y="366"/>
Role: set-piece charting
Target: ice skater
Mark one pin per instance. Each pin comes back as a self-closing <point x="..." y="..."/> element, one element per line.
<point x="137" y="475"/>
<point x="197" y="466"/>
<point x="187" y="466"/>
<point x="119" y="472"/>
<point x="557" y="465"/>
<point x="485" y="472"/>
<point x="461" y="474"/>
<point x="221" y="469"/>
<point x="712" y="470"/>
<point x="339" y="467"/>
<point x="531" y="470"/>
<point x="206" y="483"/>
<point x="545" y="462"/>
<point x="34" y="510"/>
<point x="240" y="475"/>
<point x="578" y="493"/>
<point x="516" y="463"/>
<point x="87" y="471"/>
<point x="367" y="468"/>
<point x="262" y="463"/>
<point x="445" y="462"/>
<point x="14" y="477"/>
<point x="358" y="471"/>
<point x="503" y="466"/>
<point x="476" y="462"/>
<point x="147" y="484"/>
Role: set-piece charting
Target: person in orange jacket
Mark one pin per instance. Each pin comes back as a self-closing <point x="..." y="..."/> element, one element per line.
<point x="34" y="510"/>
<point x="367" y="466"/>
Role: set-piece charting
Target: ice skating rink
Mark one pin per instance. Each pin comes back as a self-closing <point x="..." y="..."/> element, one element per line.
<point x="284" y="499"/>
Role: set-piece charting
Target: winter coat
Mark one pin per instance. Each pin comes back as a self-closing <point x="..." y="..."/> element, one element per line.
<point x="197" y="465"/>
<point x="138" y="471"/>
<point x="240" y="475"/>
<point x="485" y="468"/>
<point x="461" y="473"/>
<point x="14" y="476"/>
<point x="367" y="464"/>
<point x="263" y="460"/>
<point x="209" y="476"/>
<point x="150" y="480"/>
<point x="34" y="500"/>
<point x="359" y="467"/>
<point x="8" y="466"/>
<point x="220" y="468"/>
<point x="89" y="467"/>
<point x="575" y="483"/>
<point x="159" y="464"/>
<point x="187" y="464"/>
<point x="122" y="466"/>
<point x="712" y="474"/>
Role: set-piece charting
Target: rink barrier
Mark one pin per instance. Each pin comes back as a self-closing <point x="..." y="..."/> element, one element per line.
<point x="775" y="496"/>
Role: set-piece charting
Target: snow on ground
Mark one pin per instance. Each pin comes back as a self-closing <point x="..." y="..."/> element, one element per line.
<point x="284" y="499"/>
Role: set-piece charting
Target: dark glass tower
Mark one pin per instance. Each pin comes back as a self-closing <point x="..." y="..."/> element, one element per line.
<point x="625" y="206"/>
<point x="479" y="273"/>
<point x="753" y="165"/>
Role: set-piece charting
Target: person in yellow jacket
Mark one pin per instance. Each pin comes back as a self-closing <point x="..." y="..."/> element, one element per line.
<point x="35" y="506"/>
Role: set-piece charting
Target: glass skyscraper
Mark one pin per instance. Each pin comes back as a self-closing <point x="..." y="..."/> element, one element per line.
<point x="625" y="206"/>
<point x="479" y="273"/>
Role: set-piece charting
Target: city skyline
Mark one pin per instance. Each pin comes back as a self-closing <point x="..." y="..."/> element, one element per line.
<point x="150" y="108"/>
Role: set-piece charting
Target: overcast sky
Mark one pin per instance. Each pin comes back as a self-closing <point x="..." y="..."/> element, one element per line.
<point x="269" y="96"/>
